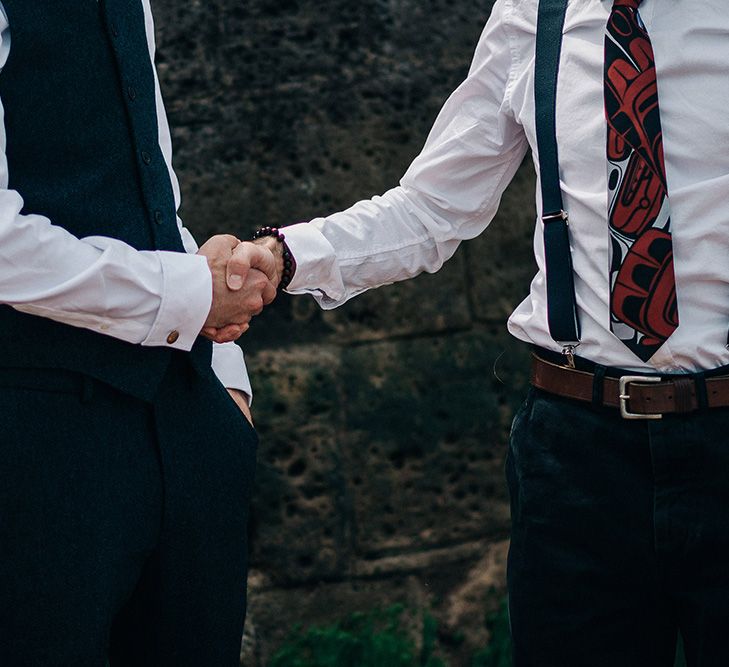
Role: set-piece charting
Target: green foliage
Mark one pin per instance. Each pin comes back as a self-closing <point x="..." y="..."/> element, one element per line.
<point x="498" y="652"/>
<point x="379" y="639"/>
<point x="373" y="639"/>
<point x="430" y="636"/>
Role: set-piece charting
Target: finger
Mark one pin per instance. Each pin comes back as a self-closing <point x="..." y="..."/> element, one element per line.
<point x="230" y="332"/>
<point x="220" y="241"/>
<point x="225" y="334"/>
<point x="230" y="335"/>
<point x="228" y="240"/>
<point x="253" y="305"/>
<point x="216" y="335"/>
<point x="269" y="293"/>
<point x="221" y="339"/>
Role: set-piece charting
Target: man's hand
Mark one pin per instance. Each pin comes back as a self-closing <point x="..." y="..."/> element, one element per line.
<point x="240" y="255"/>
<point x="242" y="402"/>
<point x="241" y="286"/>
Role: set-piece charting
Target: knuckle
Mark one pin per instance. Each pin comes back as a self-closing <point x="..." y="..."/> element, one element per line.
<point x="238" y="261"/>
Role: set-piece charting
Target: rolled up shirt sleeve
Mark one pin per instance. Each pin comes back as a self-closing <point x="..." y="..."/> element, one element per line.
<point x="450" y="193"/>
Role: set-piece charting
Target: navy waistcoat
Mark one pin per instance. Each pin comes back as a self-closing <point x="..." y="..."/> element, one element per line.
<point x="83" y="150"/>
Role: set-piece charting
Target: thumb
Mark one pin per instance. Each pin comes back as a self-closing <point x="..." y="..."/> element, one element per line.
<point x="238" y="267"/>
<point x="262" y="258"/>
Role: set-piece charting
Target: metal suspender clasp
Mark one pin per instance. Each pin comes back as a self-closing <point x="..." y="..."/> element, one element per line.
<point x="559" y="215"/>
<point x="568" y="350"/>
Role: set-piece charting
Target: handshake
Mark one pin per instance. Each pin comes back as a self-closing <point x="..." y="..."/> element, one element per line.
<point x="245" y="278"/>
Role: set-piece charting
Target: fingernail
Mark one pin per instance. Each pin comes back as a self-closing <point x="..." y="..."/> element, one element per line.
<point x="235" y="282"/>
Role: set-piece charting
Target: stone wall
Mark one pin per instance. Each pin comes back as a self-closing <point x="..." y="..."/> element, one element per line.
<point x="383" y="424"/>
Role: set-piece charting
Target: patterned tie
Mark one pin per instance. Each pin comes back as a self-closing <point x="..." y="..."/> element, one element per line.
<point x="643" y="309"/>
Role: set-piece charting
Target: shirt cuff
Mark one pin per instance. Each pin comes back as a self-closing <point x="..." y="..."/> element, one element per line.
<point x="230" y="367"/>
<point x="316" y="263"/>
<point x="187" y="295"/>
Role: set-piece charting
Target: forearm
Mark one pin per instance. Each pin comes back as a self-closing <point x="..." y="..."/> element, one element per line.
<point x="99" y="283"/>
<point x="450" y="192"/>
<point x="375" y="242"/>
<point x="411" y="229"/>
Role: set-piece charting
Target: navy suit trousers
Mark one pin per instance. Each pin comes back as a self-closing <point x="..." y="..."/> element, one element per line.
<point x="620" y="536"/>
<point x="122" y="522"/>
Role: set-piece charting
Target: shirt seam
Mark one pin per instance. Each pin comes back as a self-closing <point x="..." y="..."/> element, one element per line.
<point x="513" y="52"/>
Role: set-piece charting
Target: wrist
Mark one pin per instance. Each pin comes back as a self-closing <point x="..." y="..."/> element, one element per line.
<point x="271" y="244"/>
<point x="243" y="402"/>
<point x="275" y="241"/>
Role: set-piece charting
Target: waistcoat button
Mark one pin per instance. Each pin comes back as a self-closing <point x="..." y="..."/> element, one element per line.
<point x="132" y="92"/>
<point x="146" y="157"/>
<point x="159" y="218"/>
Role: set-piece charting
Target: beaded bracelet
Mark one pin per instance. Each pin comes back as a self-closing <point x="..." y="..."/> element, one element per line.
<point x="288" y="259"/>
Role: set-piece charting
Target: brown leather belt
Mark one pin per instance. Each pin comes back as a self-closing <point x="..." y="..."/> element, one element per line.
<point x="637" y="396"/>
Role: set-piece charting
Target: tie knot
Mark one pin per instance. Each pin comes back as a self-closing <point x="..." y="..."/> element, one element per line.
<point x="633" y="4"/>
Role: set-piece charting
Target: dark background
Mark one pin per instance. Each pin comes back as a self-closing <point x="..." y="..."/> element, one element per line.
<point x="383" y="424"/>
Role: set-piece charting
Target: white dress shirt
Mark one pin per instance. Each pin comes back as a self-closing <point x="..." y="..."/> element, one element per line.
<point x="451" y="191"/>
<point x="103" y="284"/>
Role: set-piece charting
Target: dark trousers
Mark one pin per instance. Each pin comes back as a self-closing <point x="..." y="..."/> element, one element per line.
<point x="122" y="523"/>
<point x="620" y="536"/>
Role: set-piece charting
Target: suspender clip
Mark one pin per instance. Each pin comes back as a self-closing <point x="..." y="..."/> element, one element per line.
<point x="568" y="350"/>
<point x="559" y="215"/>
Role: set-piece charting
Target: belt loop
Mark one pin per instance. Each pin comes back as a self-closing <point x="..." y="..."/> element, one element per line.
<point x="598" y="385"/>
<point x="702" y="398"/>
<point x="87" y="389"/>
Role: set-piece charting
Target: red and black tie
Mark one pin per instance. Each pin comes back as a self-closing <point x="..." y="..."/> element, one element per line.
<point x="643" y="309"/>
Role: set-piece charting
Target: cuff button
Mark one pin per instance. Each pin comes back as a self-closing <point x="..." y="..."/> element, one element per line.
<point x="173" y="337"/>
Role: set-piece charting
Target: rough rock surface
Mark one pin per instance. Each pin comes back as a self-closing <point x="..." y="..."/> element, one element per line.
<point x="383" y="424"/>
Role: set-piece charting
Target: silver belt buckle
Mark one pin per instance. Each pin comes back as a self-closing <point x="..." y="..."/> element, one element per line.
<point x="625" y="396"/>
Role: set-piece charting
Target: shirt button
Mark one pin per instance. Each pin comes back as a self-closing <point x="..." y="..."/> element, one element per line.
<point x="159" y="218"/>
<point x="146" y="157"/>
<point x="132" y="92"/>
<point x="173" y="337"/>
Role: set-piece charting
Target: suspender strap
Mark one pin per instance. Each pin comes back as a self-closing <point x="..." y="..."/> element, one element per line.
<point x="564" y="326"/>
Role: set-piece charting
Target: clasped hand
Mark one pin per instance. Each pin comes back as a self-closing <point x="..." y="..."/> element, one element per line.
<point x="245" y="278"/>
